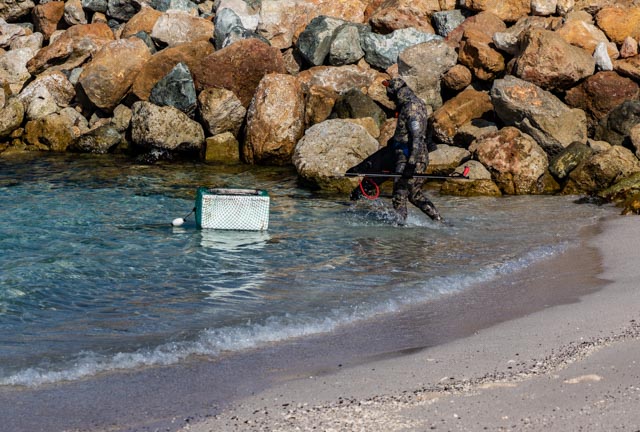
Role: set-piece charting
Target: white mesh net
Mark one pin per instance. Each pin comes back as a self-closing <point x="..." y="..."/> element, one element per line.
<point x="236" y="211"/>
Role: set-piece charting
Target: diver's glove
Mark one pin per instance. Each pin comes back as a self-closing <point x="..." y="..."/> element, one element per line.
<point x="409" y="171"/>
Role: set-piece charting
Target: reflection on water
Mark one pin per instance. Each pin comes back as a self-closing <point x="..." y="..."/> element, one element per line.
<point x="94" y="277"/>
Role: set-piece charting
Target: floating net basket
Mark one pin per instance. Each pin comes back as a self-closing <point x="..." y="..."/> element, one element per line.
<point x="232" y="209"/>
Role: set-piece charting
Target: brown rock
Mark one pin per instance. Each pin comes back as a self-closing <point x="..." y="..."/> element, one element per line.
<point x="339" y="79"/>
<point x="397" y="14"/>
<point x="275" y="120"/>
<point x="109" y="76"/>
<point x="586" y="36"/>
<point x="239" y="68"/>
<point x="550" y="62"/>
<point x="223" y="148"/>
<point x="619" y="22"/>
<point x="485" y="22"/>
<point x="163" y="61"/>
<point x="466" y="106"/>
<point x="144" y="21"/>
<point x="221" y="111"/>
<point x="600" y="93"/>
<point x="602" y="170"/>
<point x="507" y="10"/>
<point x="629" y="47"/>
<point x="72" y="48"/>
<point x="318" y="104"/>
<point x="47" y="16"/>
<point x="477" y="54"/>
<point x="515" y="160"/>
<point x="175" y="28"/>
<point x="457" y="78"/>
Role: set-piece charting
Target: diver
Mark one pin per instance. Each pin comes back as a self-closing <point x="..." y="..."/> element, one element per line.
<point x="407" y="153"/>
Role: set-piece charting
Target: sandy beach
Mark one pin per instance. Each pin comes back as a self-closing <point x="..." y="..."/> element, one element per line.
<point x="571" y="366"/>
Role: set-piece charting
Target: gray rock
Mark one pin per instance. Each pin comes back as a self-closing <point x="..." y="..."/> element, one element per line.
<point x="616" y="127"/>
<point x="445" y="21"/>
<point x="11" y="116"/>
<point x="176" y="89"/>
<point x="382" y="51"/>
<point x="314" y="42"/>
<point x="601" y="55"/>
<point x="345" y="47"/>
<point x="95" y="5"/>
<point x="239" y="33"/>
<point x="355" y="104"/>
<point x="568" y="159"/>
<point x="166" y="128"/>
<point x="122" y="10"/>
<point x="146" y="38"/>
<point x="100" y="140"/>
<point x="226" y="20"/>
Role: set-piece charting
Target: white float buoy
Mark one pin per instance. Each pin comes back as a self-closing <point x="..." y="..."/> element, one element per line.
<point x="177" y="222"/>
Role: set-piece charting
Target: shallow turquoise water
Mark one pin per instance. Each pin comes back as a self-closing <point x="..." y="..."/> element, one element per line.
<point x="93" y="277"/>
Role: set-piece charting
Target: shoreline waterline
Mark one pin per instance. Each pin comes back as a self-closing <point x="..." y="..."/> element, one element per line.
<point x="197" y="388"/>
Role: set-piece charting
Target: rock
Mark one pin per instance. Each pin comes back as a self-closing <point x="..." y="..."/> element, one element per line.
<point x="121" y="119"/>
<point x="602" y="170"/>
<point x="95" y="5"/>
<point x="122" y="10"/>
<point x="485" y="22"/>
<point x="508" y="40"/>
<point x="175" y="28"/>
<point x="568" y="159"/>
<point x="55" y="132"/>
<point x="226" y="20"/>
<point x="628" y="67"/>
<point x="11" y="116"/>
<point x="457" y="78"/>
<point x="41" y="103"/>
<point x="422" y="67"/>
<point x="176" y="89"/>
<point x="55" y="83"/>
<point x="538" y="113"/>
<point x="321" y="162"/>
<point x="477" y="54"/>
<point x="315" y="41"/>
<point x="106" y="81"/>
<point x="71" y="49"/>
<point x="162" y="62"/>
<point x="10" y="32"/>
<point x="73" y="13"/>
<point x="586" y="36"/>
<point x="459" y="110"/>
<point x="446" y="21"/>
<point x="481" y="184"/>
<point x="548" y="61"/>
<point x="12" y="11"/>
<point x="629" y="47"/>
<point x="355" y="104"/>
<point x="515" y="160"/>
<point x="33" y="41"/>
<point x="616" y="127"/>
<point x="473" y="130"/>
<point x="600" y="93"/>
<point x="248" y="12"/>
<point x="564" y="7"/>
<point x="382" y="51"/>
<point x="166" y="128"/>
<point x="339" y="79"/>
<point x="222" y="148"/>
<point x="446" y="158"/>
<point x="238" y="67"/>
<point x="625" y="192"/>
<point x="319" y="102"/>
<point x="368" y="123"/>
<point x="14" y="72"/>
<point x="275" y="120"/>
<point x="400" y="14"/>
<point x="598" y="146"/>
<point x="507" y="10"/>
<point x="100" y="140"/>
<point x="634" y="138"/>
<point x="240" y="33"/>
<point x="143" y="21"/>
<point x="619" y="23"/>
<point x="47" y="16"/>
<point x="544" y="7"/>
<point x="221" y="111"/>
<point x="345" y="47"/>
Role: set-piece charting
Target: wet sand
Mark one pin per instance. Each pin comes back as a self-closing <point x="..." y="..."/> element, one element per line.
<point x="553" y="347"/>
<point x="556" y="349"/>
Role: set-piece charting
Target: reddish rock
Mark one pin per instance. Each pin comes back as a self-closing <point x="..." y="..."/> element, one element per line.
<point x="397" y="14"/>
<point x="47" y="16"/>
<point x="477" y="54"/>
<point x="507" y="10"/>
<point x="466" y="106"/>
<point x="72" y="48"/>
<point x="163" y="61"/>
<point x="619" y="22"/>
<point x="457" y="78"/>
<point x="600" y="93"/>
<point x="239" y="68"/>
<point x="108" y="77"/>
<point x="485" y="22"/>
<point x="629" y="67"/>
<point x="629" y="47"/>
<point x="144" y="21"/>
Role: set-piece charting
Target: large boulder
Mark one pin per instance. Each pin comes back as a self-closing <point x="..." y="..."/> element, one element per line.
<point x="550" y="62"/>
<point x="515" y="160"/>
<point x="11" y="116"/>
<point x="275" y="120"/>
<point x="143" y="21"/>
<point x="382" y="51"/>
<point x="478" y="54"/>
<point x="600" y="93"/>
<point x="15" y="10"/>
<point x="355" y="104"/>
<point x="314" y="43"/>
<point x="479" y="183"/>
<point x="162" y="62"/>
<point x="398" y="14"/>
<point x="619" y="22"/>
<point x="507" y="10"/>
<point x="166" y="128"/>
<point x="239" y="68"/>
<point x="538" y="113"/>
<point x="456" y="112"/>
<point x="339" y="79"/>
<point x="221" y="111"/>
<point x="72" y="48"/>
<point x="422" y="67"/>
<point x="101" y="140"/>
<point x="602" y="170"/>
<point x="586" y="36"/>
<point x="175" y="28"/>
<point x="328" y="149"/>
<point x="14" y="72"/>
<point x="176" y="89"/>
<point x="54" y="132"/>
<point x="568" y="159"/>
<point x="106" y="80"/>
<point x="616" y="127"/>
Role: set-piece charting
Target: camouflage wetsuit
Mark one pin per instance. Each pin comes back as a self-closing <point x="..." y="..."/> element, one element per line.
<point x="411" y="150"/>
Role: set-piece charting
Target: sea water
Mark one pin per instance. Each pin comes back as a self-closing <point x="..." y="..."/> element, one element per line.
<point x="94" y="278"/>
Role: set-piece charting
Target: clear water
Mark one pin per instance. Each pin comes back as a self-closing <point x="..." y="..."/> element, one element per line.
<point x="93" y="277"/>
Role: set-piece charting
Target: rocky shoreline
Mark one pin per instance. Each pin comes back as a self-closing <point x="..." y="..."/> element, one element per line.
<point x="534" y="96"/>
